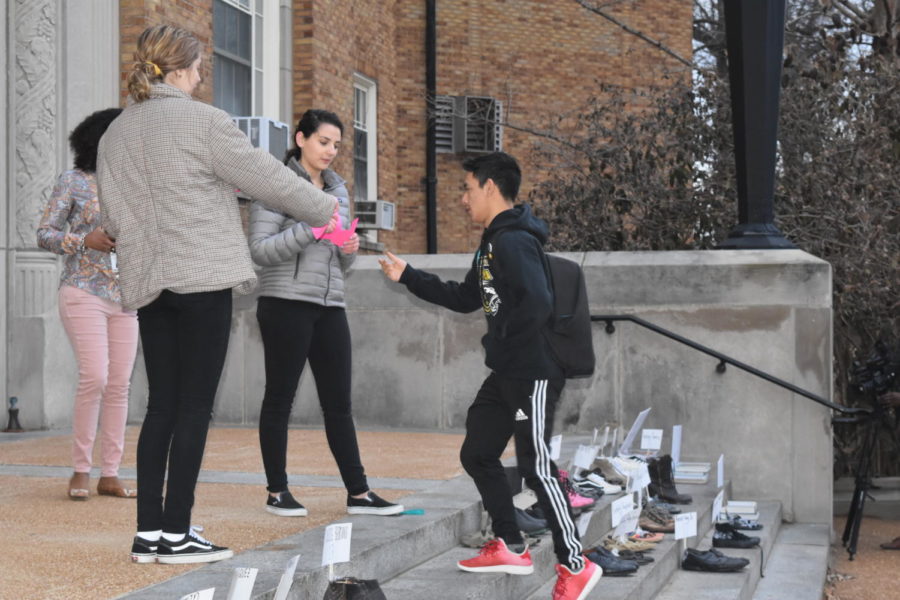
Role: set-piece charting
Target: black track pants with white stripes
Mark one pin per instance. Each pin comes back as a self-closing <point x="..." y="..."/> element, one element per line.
<point x="522" y="408"/>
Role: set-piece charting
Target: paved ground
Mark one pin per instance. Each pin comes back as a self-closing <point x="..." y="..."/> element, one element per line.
<point x="54" y="548"/>
<point x="875" y="573"/>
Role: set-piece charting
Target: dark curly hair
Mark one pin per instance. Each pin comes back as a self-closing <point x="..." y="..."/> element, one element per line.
<point x="85" y="138"/>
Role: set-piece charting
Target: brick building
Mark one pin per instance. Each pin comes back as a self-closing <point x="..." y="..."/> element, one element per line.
<point x="366" y="61"/>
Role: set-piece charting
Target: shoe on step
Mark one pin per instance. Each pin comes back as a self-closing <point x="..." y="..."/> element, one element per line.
<point x="576" y="586"/>
<point x="285" y="505"/>
<point x="372" y="504"/>
<point x="190" y="548"/>
<point x="496" y="557"/>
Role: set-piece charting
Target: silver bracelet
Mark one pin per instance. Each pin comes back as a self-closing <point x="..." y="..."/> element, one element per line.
<point x="81" y="248"/>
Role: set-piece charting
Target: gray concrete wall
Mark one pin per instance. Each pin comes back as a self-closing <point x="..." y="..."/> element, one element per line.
<point x="419" y="366"/>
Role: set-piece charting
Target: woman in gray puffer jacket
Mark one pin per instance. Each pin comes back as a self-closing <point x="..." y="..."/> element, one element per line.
<point x="301" y="317"/>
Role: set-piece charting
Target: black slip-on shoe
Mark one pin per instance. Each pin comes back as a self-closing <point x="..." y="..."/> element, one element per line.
<point x="712" y="561"/>
<point x="372" y="504"/>
<point x="285" y="505"/>
<point x="612" y="565"/>
<point x="190" y="548"/>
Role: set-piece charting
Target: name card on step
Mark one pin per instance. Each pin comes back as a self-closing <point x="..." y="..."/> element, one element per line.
<point x="720" y="471"/>
<point x="676" y="445"/>
<point x="620" y="508"/>
<point x="640" y="478"/>
<point x="242" y="583"/>
<point x="337" y="543"/>
<point x="206" y="594"/>
<point x="685" y="525"/>
<point x="583" y="522"/>
<point x="555" y="447"/>
<point x="584" y="456"/>
<point x="287" y="579"/>
<point x="651" y="439"/>
<point x="717" y="505"/>
<point x="628" y="523"/>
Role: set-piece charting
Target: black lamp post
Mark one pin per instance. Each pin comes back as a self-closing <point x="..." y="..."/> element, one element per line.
<point x="755" y="39"/>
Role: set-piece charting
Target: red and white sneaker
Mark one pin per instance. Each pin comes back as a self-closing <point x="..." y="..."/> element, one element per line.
<point x="495" y="557"/>
<point x="576" y="586"/>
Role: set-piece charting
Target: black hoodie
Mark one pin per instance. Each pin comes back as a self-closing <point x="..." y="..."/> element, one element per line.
<point x="509" y="282"/>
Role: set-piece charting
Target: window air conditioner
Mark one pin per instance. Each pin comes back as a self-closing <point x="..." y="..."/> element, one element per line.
<point x="268" y="134"/>
<point x="375" y="215"/>
<point x="468" y="124"/>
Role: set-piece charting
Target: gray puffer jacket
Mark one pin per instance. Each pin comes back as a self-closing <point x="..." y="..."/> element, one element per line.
<point x="296" y="266"/>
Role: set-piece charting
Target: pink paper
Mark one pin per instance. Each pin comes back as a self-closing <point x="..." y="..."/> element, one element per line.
<point x="339" y="236"/>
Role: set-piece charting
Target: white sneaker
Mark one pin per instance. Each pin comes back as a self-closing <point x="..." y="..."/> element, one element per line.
<point x="594" y="480"/>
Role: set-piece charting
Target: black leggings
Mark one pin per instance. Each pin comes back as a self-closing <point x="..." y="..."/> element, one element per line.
<point x="185" y="337"/>
<point x="292" y="332"/>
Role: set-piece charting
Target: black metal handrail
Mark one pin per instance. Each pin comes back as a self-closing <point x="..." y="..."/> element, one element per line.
<point x="727" y="360"/>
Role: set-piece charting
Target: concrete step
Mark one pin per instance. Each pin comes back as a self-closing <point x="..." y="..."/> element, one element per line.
<point x="649" y="579"/>
<point x="797" y="565"/>
<point x="693" y="585"/>
<point x="884" y="502"/>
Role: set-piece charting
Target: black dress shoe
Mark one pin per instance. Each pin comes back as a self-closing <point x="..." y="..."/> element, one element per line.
<point x="639" y="557"/>
<point x="612" y="565"/>
<point x="711" y="560"/>
<point x="726" y="536"/>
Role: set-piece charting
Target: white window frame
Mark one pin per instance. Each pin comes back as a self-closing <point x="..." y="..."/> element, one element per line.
<point x="370" y="87"/>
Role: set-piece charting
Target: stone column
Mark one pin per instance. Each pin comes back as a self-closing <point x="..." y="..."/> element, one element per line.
<point x="63" y="64"/>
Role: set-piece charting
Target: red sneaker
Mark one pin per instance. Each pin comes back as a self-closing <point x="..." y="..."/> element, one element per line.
<point x="495" y="557"/>
<point x="576" y="586"/>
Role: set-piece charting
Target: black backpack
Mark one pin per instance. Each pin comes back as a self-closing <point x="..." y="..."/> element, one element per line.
<point x="568" y="333"/>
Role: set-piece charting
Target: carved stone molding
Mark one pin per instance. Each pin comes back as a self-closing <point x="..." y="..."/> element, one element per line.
<point x="36" y="133"/>
<point x="36" y="282"/>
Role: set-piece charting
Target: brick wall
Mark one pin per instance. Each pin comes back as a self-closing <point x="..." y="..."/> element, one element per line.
<point x="192" y="15"/>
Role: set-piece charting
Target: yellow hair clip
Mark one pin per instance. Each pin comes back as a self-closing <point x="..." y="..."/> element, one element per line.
<point x="156" y="70"/>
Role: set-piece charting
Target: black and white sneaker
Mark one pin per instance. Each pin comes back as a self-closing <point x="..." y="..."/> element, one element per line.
<point x="285" y="506"/>
<point x="143" y="551"/>
<point x="372" y="504"/>
<point x="191" y="548"/>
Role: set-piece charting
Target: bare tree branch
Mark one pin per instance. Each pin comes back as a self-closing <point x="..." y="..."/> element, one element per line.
<point x="656" y="43"/>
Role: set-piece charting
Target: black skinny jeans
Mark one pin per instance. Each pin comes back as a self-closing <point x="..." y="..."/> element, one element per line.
<point x="184" y="337"/>
<point x="292" y="333"/>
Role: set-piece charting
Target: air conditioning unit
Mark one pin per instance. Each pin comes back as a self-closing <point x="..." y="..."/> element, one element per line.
<point x="468" y="124"/>
<point x="268" y="134"/>
<point x="377" y="214"/>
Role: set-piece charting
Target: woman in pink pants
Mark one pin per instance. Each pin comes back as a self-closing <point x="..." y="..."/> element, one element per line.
<point x="103" y="334"/>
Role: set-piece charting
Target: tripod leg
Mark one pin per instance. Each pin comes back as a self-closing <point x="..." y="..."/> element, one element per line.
<point x="854" y="517"/>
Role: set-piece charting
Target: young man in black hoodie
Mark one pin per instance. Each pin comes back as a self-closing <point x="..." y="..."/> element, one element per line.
<point x="508" y="281"/>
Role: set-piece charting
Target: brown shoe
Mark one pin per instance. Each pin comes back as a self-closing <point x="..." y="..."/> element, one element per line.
<point x="78" y="486"/>
<point x="894" y="544"/>
<point x="111" y="486"/>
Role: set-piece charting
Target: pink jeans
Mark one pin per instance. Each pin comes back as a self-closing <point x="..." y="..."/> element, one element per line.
<point x="104" y="337"/>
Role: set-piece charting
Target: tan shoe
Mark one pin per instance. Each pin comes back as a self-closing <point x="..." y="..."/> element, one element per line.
<point x="78" y="486"/>
<point x="111" y="486"/>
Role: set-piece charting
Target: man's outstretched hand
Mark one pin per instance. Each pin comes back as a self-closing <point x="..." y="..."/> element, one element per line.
<point x="393" y="267"/>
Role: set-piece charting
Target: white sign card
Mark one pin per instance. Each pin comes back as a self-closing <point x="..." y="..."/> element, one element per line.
<point x="206" y="594"/>
<point x="594" y="439"/>
<point x="584" y="456"/>
<point x="676" y="446"/>
<point x="337" y="543"/>
<point x="583" y="521"/>
<point x="685" y="525"/>
<point x="717" y="505"/>
<point x="525" y="498"/>
<point x="651" y="439"/>
<point x="720" y="471"/>
<point x="640" y="478"/>
<point x="621" y="508"/>
<point x="287" y="579"/>
<point x="555" y="447"/>
<point x="242" y="583"/>
<point x="629" y="523"/>
<point x="625" y="448"/>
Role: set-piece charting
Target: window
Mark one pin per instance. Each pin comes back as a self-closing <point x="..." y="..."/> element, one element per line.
<point x="365" y="144"/>
<point x="237" y="56"/>
<point x="468" y="124"/>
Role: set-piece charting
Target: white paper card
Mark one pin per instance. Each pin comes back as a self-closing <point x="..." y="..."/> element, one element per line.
<point x="651" y="439"/>
<point x="625" y="448"/>
<point x="287" y="579"/>
<point x="676" y="446"/>
<point x="629" y="523"/>
<point x="524" y="499"/>
<point x="685" y="525"/>
<point x="337" y="543"/>
<point x="206" y="594"/>
<point x="621" y="508"/>
<point x="555" y="447"/>
<point x="717" y="505"/>
<point x="584" y="456"/>
<point x="720" y="471"/>
<point x="583" y="521"/>
<point x="242" y="583"/>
